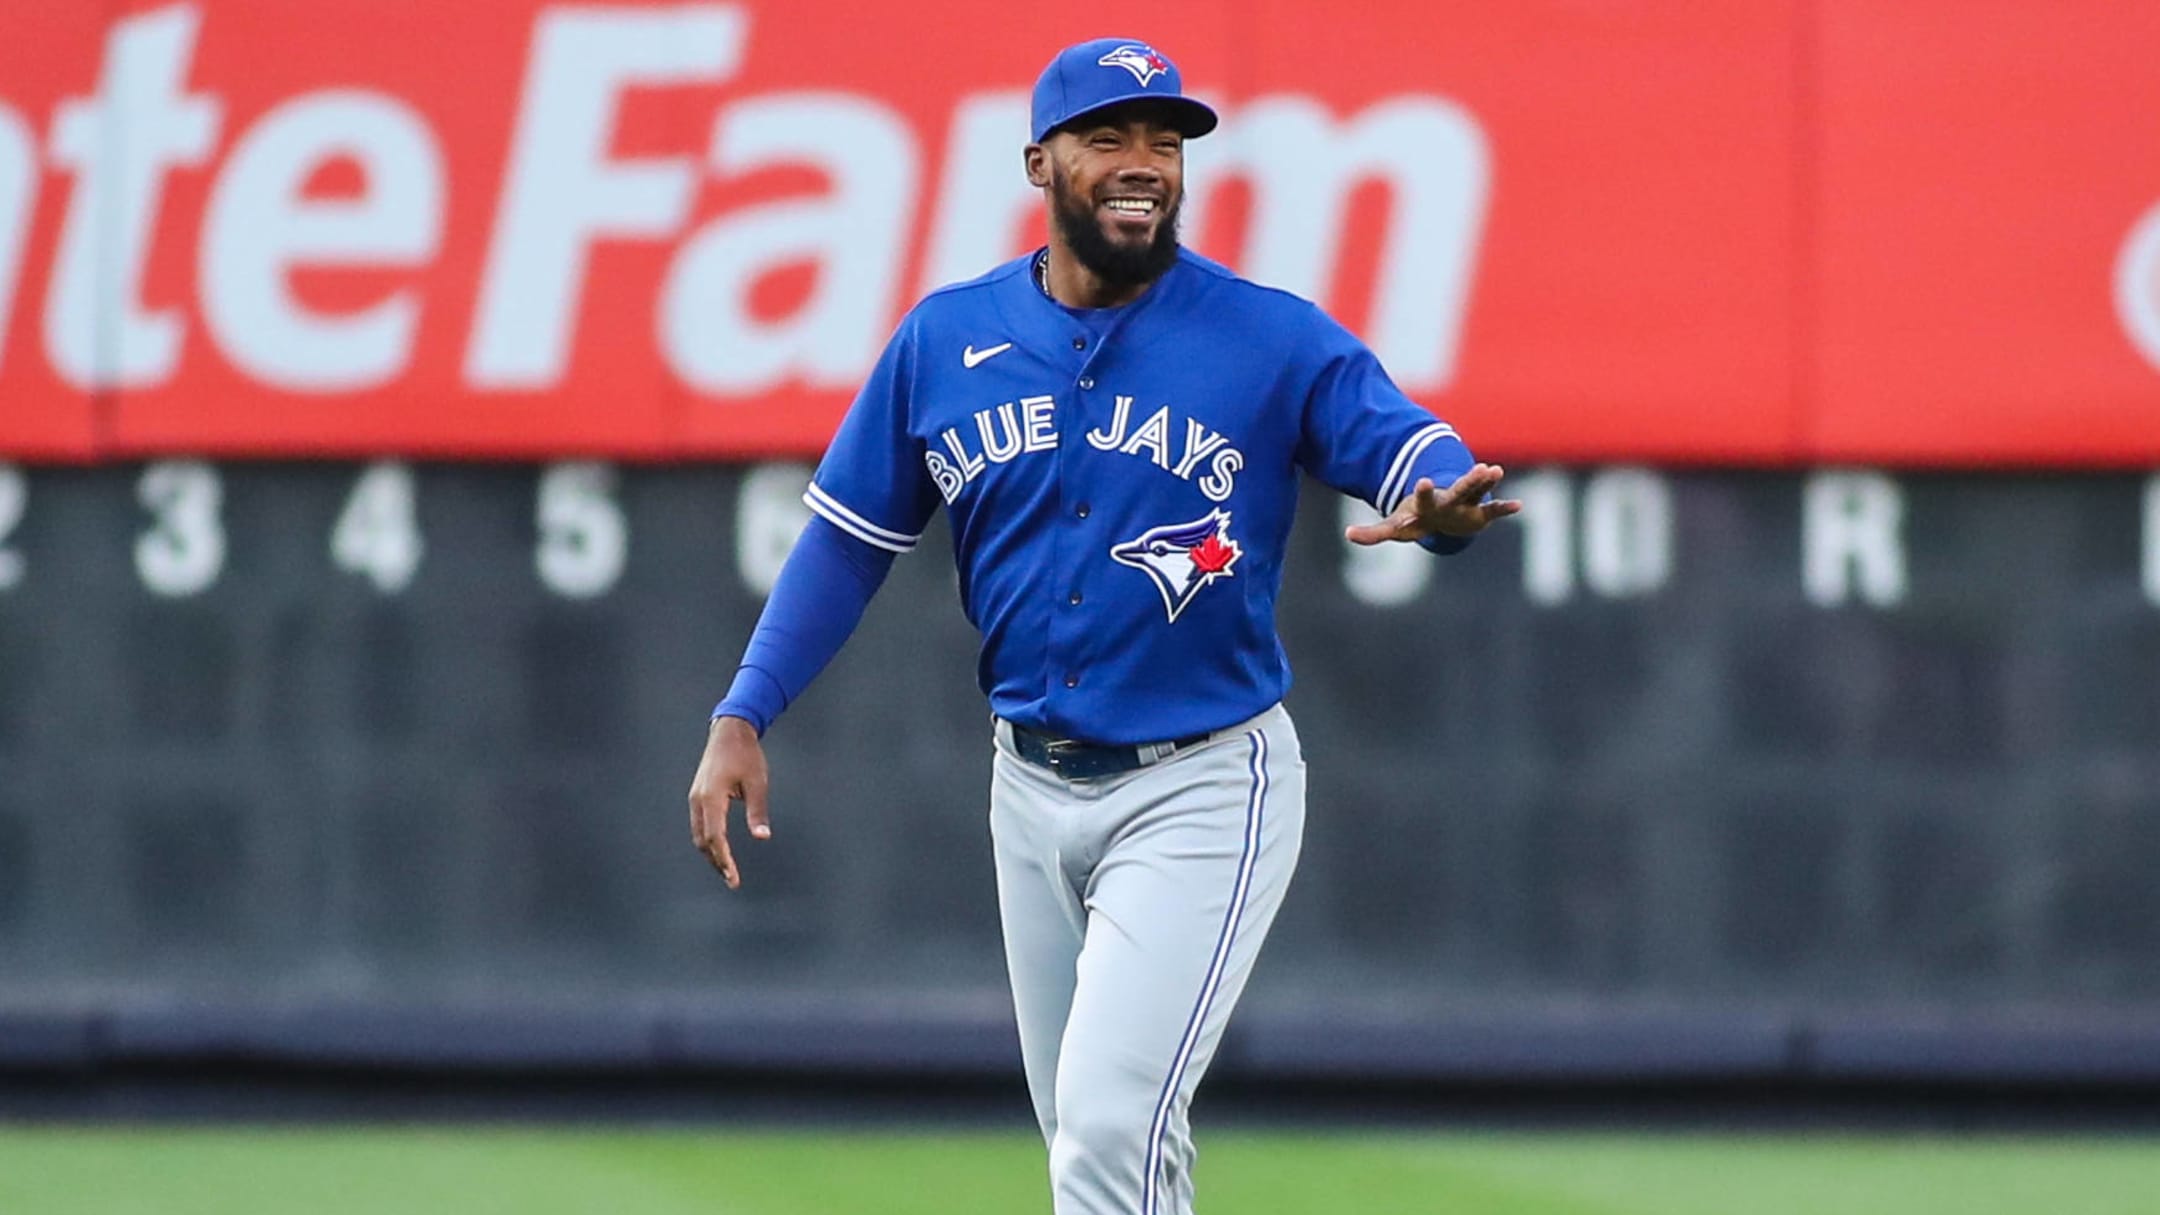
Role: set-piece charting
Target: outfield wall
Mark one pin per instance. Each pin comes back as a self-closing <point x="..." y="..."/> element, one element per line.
<point x="1681" y="774"/>
<point x="1802" y="727"/>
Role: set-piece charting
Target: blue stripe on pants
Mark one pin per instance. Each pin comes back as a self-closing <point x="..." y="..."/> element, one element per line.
<point x="1160" y="1127"/>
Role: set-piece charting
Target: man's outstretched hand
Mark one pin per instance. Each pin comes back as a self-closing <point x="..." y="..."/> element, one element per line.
<point x="733" y="767"/>
<point x="1458" y="510"/>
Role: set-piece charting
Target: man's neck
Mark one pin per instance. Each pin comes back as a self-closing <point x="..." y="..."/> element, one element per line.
<point x="1071" y="283"/>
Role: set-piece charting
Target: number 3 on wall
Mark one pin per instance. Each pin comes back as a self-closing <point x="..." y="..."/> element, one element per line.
<point x="184" y="551"/>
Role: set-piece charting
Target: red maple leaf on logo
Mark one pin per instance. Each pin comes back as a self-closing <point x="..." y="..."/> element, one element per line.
<point x="1212" y="556"/>
<point x="1157" y="62"/>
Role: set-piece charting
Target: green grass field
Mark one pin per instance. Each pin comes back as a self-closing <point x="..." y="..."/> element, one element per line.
<point x="471" y="1171"/>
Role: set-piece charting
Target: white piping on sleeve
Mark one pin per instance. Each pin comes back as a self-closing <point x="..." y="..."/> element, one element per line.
<point x="837" y="514"/>
<point x="1397" y="484"/>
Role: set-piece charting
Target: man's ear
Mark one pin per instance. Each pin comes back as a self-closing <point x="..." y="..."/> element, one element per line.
<point x="1036" y="159"/>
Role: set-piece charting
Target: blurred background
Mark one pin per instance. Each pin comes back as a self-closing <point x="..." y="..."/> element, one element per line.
<point x="404" y="410"/>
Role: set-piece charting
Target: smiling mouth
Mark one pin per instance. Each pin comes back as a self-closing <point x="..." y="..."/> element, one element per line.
<point x="1131" y="207"/>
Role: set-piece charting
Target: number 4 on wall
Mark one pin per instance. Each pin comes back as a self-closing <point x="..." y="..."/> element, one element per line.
<point x="378" y="533"/>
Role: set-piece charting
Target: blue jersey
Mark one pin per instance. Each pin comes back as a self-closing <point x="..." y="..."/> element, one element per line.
<point x="1121" y="483"/>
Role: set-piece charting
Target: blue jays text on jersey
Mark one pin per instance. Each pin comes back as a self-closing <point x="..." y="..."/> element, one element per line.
<point x="1121" y="483"/>
<point x="1001" y="434"/>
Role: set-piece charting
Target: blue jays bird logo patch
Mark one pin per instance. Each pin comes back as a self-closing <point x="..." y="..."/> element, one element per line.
<point x="1141" y="61"/>
<point x="1180" y="558"/>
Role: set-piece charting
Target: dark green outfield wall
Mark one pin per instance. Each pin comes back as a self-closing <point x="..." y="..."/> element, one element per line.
<point x="1715" y="773"/>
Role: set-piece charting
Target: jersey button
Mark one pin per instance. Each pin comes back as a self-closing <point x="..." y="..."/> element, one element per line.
<point x="1079" y="343"/>
<point x="1073" y="599"/>
<point x="1087" y="381"/>
<point x="1072" y="681"/>
<point x="1081" y="510"/>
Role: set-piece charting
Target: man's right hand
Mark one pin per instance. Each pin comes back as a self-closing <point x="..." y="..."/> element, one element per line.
<point x="733" y="767"/>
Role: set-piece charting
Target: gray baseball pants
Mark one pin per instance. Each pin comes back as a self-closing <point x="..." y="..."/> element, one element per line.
<point x="1133" y="908"/>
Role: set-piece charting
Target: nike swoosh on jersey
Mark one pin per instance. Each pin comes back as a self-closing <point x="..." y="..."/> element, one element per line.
<point x="972" y="356"/>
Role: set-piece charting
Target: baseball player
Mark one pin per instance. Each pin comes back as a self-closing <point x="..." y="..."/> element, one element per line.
<point x="1115" y="427"/>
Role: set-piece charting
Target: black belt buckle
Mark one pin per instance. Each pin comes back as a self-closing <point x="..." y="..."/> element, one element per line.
<point x="1076" y="760"/>
<point x="1073" y="759"/>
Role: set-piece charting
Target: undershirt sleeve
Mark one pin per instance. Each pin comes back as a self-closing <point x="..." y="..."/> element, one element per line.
<point x="815" y="604"/>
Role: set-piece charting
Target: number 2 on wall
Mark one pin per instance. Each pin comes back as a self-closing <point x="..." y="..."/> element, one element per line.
<point x="14" y="496"/>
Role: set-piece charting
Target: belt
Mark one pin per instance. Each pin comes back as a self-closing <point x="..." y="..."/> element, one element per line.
<point x="1076" y="760"/>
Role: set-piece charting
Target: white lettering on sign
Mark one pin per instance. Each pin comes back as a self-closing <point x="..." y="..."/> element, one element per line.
<point x="18" y="194"/>
<point x="1430" y="153"/>
<point x="984" y="197"/>
<point x="562" y="191"/>
<point x="259" y="229"/>
<point x="119" y="144"/>
<point x="123" y="276"/>
<point x="856" y="238"/>
<point x="1852" y="539"/>
<point x="2137" y="286"/>
<point x="1432" y="156"/>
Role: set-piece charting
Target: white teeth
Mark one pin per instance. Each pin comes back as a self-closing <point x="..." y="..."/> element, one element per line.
<point x="1132" y="206"/>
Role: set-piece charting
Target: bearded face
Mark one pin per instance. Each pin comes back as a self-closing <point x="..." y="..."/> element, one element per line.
<point x="1125" y="233"/>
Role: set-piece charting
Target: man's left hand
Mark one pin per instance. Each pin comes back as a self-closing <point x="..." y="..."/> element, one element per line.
<point x="1462" y="509"/>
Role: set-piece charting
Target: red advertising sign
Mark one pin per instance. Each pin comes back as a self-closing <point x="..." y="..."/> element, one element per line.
<point x="40" y="416"/>
<point x="1988" y="270"/>
<point x="1663" y="231"/>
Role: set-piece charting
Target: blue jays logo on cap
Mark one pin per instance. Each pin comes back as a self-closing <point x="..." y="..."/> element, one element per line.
<point x="1103" y="72"/>
<point x="1180" y="558"/>
<point x="1141" y="61"/>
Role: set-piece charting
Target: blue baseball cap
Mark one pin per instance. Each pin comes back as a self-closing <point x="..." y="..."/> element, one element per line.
<point x="1105" y="71"/>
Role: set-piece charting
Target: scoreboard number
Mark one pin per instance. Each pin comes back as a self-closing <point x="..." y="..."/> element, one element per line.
<point x="1380" y="575"/>
<point x="14" y="497"/>
<point x="1548" y="529"/>
<point x="769" y="515"/>
<point x="378" y="533"/>
<point x="2151" y="554"/>
<point x="1611" y="533"/>
<point x="1627" y="533"/>
<point x="184" y="551"/>
<point x="1618" y="531"/>
<point x="584" y="540"/>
